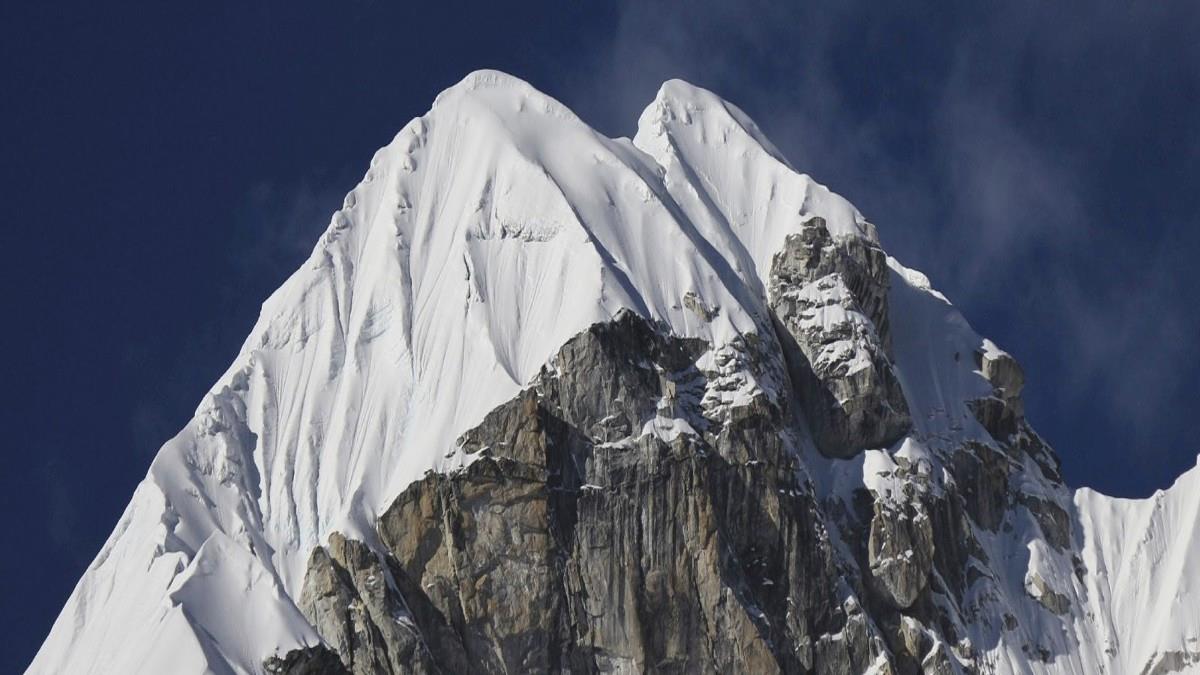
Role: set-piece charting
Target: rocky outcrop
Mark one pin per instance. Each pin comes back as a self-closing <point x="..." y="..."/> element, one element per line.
<point x="854" y="649"/>
<point x="600" y="530"/>
<point x="1003" y="412"/>
<point x="829" y="298"/>
<point x="981" y="476"/>
<point x="350" y="597"/>
<point x="1041" y="591"/>
<point x="900" y="552"/>
<point x="1175" y="661"/>
<point x="1003" y="371"/>
<point x="1053" y="521"/>
<point x="813" y="253"/>
<point x="318" y="660"/>
<point x="642" y="507"/>
<point x="938" y="662"/>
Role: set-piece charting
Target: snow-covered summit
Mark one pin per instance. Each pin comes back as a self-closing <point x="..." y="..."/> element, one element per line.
<point x="488" y="232"/>
<point x="485" y="236"/>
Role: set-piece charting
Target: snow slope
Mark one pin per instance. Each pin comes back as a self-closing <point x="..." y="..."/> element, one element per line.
<point x="1143" y="589"/>
<point x="487" y="233"/>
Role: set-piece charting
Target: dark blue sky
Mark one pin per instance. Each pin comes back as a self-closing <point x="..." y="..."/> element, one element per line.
<point x="165" y="167"/>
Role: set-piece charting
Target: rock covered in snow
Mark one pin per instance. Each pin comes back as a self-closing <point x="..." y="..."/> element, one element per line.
<point x="831" y="299"/>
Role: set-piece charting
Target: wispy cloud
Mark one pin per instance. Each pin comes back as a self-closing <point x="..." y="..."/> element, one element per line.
<point x="1005" y="196"/>
<point x="278" y="224"/>
<point x="981" y="141"/>
<point x="60" y="510"/>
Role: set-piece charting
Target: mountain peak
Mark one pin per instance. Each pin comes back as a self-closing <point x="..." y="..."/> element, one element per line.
<point x="500" y="93"/>
<point x="682" y="102"/>
<point x="542" y="397"/>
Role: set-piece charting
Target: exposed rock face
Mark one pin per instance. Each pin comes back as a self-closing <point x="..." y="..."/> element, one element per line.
<point x="830" y="297"/>
<point x="900" y="552"/>
<point x="1054" y="522"/>
<point x="577" y="542"/>
<point x="982" y="477"/>
<point x="854" y="649"/>
<point x="319" y="660"/>
<point x="1002" y="412"/>
<point x="1003" y="371"/>
<point x="938" y="662"/>
<point x="1175" y="661"/>
<point x="642" y="508"/>
<point x="349" y="596"/>
<point x="1051" y="599"/>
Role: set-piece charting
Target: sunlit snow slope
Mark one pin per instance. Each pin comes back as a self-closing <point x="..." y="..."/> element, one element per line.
<point x="483" y="237"/>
